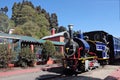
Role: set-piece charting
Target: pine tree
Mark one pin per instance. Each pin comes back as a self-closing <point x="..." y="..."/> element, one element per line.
<point x="54" y="21"/>
<point x="38" y="9"/>
<point x="5" y="9"/>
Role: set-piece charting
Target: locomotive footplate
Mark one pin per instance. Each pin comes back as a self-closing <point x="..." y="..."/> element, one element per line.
<point x="88" y="58"/>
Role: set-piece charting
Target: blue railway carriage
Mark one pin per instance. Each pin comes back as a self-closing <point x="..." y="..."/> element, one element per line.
<point x="116" y="47"/>
<point x="112" y="43"/>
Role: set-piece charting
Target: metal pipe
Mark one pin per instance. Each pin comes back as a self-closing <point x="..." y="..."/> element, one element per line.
<point x="70" y="30"/>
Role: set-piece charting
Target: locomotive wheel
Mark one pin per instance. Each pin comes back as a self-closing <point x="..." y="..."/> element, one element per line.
<point x="81" y="68"/>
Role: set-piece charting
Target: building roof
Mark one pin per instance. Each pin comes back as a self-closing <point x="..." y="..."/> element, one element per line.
<point x="22" y="38"/>
<point x="8" y="36"/>
<point x="54" y="42"/>
<point x="27" y="38"/>
<point x="55" y="35"/>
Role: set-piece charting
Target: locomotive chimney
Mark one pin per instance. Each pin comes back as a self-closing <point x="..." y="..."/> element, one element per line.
<point x="70" y="31"/>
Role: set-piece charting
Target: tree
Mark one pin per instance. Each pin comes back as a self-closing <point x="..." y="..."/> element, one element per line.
<point x="38" y="9"/>
<point x="48" y="50"/>
<point x="18" y="31"/>
<point x="23" y="14"/>
<point x="27" y="3"/>
<point x="32" y="21"/>
<point x="1" y="10"/>
<point x="5" y="9"/>
<point x="5" y="23"/>
<point x="61" y="29"/>
<point x="31" y="29"/>
<point x="54" y="21"/>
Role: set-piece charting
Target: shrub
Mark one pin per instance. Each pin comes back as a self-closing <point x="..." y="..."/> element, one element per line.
<point x="48" y="50"/>
<point x="26" y="57"/>
<point x="6" y="55"/>
<point x="58" y="57"/>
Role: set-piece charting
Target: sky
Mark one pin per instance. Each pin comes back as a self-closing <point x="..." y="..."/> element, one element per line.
<point x="85" y="15"/>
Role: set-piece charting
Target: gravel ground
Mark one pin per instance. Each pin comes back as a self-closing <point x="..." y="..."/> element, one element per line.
<point x="29" y="76"/>
<point x="97" y="74"/>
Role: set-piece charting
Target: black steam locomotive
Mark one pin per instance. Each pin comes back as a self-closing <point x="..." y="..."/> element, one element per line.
<point x="89" y="50"/>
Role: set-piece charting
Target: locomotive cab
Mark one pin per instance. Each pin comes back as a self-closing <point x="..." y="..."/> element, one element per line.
<point x="99" y="43"/>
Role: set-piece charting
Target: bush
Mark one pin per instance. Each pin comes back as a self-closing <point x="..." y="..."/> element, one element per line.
<point x="58" y="57"/>
<point x="48" y="50"/>
<point x="26" y="57"/>
<point x="6" y="56"/>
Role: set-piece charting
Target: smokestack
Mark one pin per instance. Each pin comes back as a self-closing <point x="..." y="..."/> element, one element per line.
<point x="70" y="30"/>
<point x="53" y="31"/>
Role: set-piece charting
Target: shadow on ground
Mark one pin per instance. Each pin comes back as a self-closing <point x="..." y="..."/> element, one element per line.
<point x="57" y="74"/>
<point x="58" y="77"/>
<point x="58" y="70"/>
<point x="66" y="78"/>
<point x="110" y="78"/>
<point x="116" y="62"/>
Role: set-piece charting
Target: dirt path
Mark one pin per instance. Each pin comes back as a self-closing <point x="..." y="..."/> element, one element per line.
<point x="101" y="73"/>
<point x="97" y="74"/>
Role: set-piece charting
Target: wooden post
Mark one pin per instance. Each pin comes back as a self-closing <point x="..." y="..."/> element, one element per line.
<point x="32" y="48"/>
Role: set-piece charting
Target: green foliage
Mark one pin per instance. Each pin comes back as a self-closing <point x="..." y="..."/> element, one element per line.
<point x="6" y="55"/>
<point x="31" y="21"/>
<point x="18" y="31"/>
<point x="54" y="21"/>
<point x="26" y="57"/>
<point x="61" y="29"/>
<point x="48" y="50"/>
<point x="24" y="15"/>
<point x="58" y="57"/>
<point x="31" y="29"/>
<point x="4" y="10"/>
<point x="5" y="23"/>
